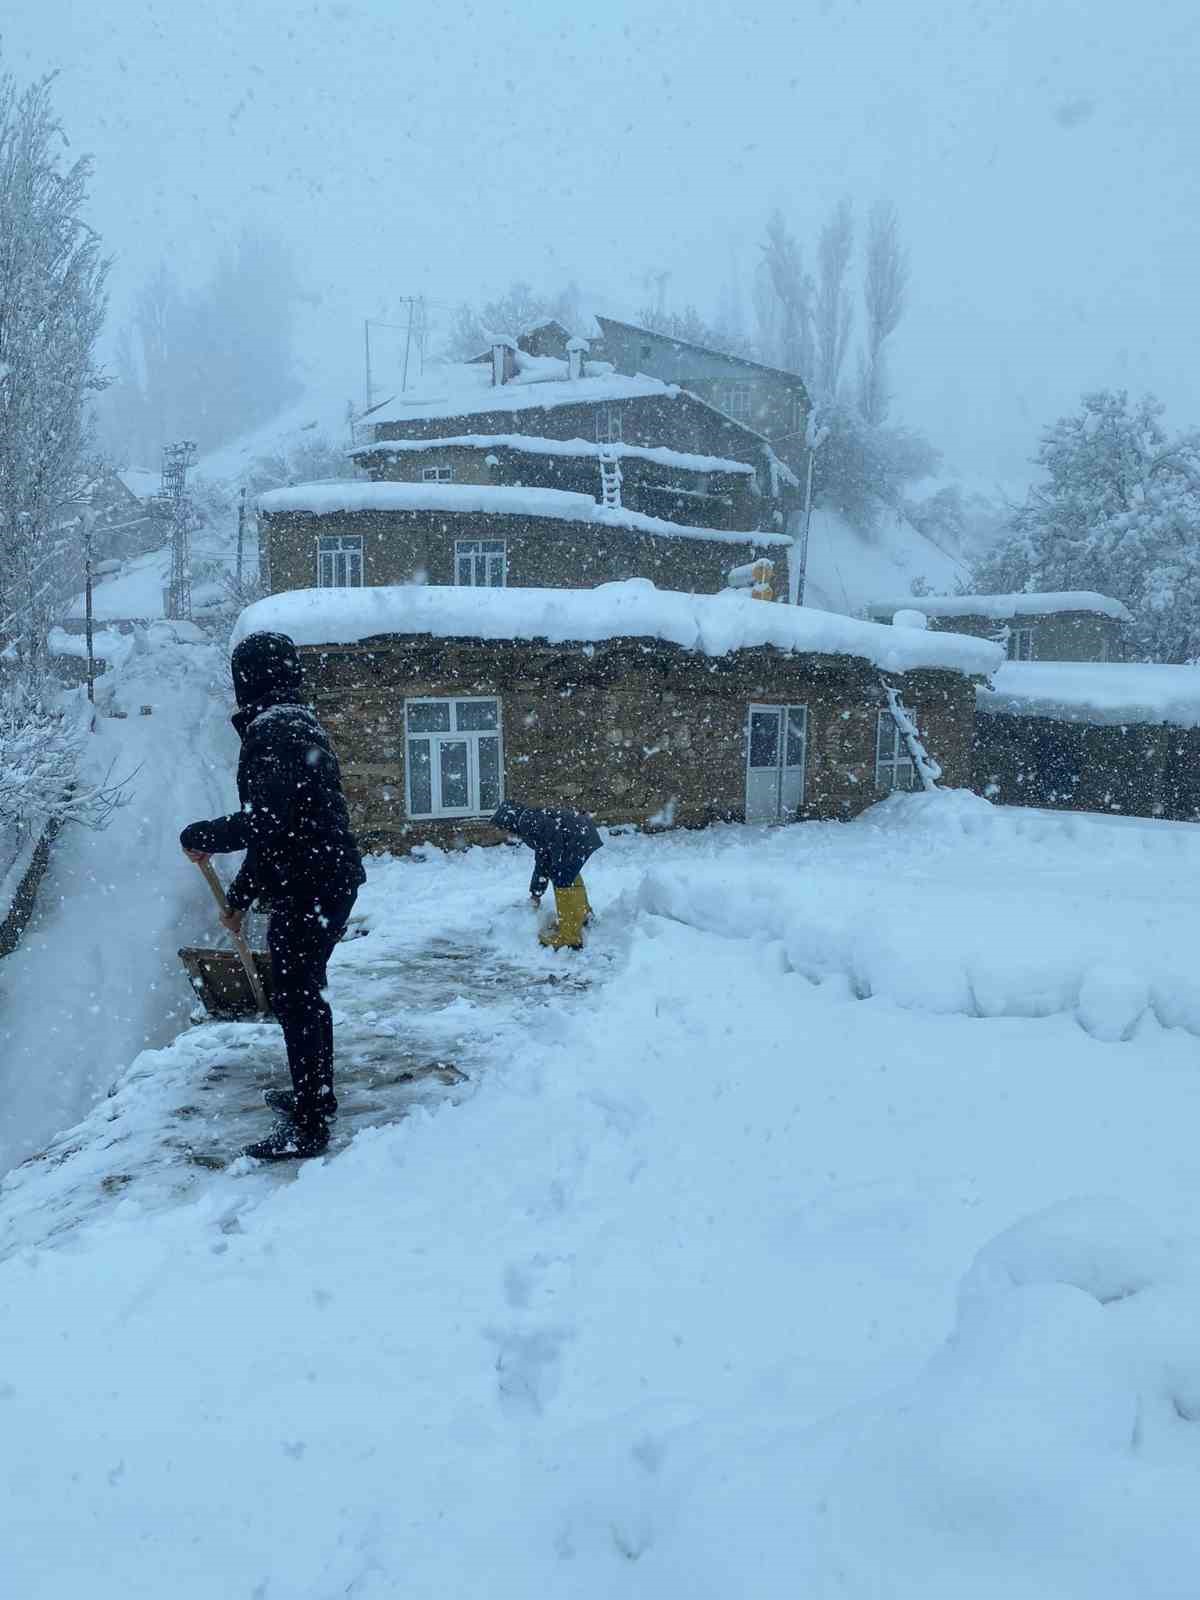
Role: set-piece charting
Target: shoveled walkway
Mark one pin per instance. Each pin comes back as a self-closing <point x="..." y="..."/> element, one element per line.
<point x="175" y="1122"/>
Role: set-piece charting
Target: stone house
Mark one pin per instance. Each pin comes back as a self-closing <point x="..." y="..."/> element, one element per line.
<point x="769" y="400"/>
<point x="645" y="708"/>
<point x="1077" y="625"/>
<point x="537" y="422"/>
<point x="527" y="469"/>
<point x="350" y="535"/>
<point x="1120" y="737"/>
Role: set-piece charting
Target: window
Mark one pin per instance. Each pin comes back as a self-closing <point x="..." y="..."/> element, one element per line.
<point x="1020" y="644"/>
<point x="609" y="424"/>
<point x="437" y="474"/>
<point x="736" y="401"/>
<point x="796" y="413"/>
<point x="454" y="766"/>
<point x="894" y="768"/>
<point x="340" y="561"/>
<point x="480" y="562"/>
<point x="776" y="738"/>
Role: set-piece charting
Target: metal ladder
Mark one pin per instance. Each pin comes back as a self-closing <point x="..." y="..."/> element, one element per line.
<point x="610" y="480"/>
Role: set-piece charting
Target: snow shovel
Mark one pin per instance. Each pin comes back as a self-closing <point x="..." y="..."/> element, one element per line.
<point x="230" y="986"/>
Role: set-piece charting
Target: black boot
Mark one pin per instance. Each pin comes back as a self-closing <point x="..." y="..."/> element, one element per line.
<point x="285" y="1100"/>
<point x="289" y="1140"/>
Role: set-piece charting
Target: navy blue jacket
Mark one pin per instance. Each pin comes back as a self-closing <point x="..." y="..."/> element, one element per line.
<point x="562" y="841"/>
<point x="293" y="823"/>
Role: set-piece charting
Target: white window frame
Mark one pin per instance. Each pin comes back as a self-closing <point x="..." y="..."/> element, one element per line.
<point x="739" y="401"/>
<point x="783" y="766"/>
<point x="472" y="737"/>
<point x="1020" y="644"/>
<point x="437" y="474"/>
<point x="487" y="556"/>
<point x="340" y="561"/>
<point x="894" y="765"/>
<point x="610" y="424"/>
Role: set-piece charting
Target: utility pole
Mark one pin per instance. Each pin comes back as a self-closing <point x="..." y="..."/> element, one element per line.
<point x="411" y="301"/>
<point x="407" y="344"/>
<point x="814" y="437"/>
<point x="177" y="458"/>
<point x="87" y="590"/>
<point x="241" y="537"/>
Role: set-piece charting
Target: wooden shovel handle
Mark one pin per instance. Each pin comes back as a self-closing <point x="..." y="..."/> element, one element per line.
<point x="239" y="941"/>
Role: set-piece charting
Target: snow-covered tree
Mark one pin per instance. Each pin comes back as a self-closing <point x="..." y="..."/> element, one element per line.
<point x="691" y="327"/>
<point x="1118" y="511"/>
<point x="520" y="307"/>
<point x="885" y="287"/>
<point x="860" y="469"/>
<point x="207" y="364"/>
<point x="52" y="302"/>
<point x="783" y="300"/>
<point x="39" y="765"/>
<point x="833" y="311"/>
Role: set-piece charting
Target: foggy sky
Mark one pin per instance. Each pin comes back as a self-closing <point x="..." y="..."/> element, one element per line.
<point x="1041" y="153"/>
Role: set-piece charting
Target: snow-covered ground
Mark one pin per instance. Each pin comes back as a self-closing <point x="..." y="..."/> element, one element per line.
<point x="96" y="977"/>
<point x="833" y="1235"/>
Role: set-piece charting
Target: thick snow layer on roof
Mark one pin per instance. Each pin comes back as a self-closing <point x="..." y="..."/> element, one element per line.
<point x="141" y="481"/>
<point x="533" y="444"/>
<point x="1108" y="692"/>
<point x="1001" y="607"/>
<point x="711" y="624"/>
<point x="327" y="499"/>
<point x="462" y="389"/>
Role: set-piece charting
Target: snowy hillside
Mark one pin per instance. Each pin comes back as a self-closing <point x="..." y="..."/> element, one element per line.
<point x="848" y="570"/>
<point x="819" y="1237"/>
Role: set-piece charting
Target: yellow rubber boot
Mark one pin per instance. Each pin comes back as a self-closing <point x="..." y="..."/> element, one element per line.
<point x="572" y="906"/>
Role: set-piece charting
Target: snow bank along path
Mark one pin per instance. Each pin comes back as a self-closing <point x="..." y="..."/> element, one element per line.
<point x="96" y="977"/>
<point x="729" y="1278"/>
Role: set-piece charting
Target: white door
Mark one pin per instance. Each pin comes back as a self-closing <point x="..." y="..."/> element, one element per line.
<point x="775" y="739"/>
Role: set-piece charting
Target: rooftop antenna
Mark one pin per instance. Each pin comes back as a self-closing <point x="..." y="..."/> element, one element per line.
<point x="177" y="458"/>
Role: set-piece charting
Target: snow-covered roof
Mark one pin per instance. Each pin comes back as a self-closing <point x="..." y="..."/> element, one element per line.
<point x="1002" y="607"/>
<point x="711" y="624"/>
<point x="346" y="495"/>
<point x="533" y="444"/>
<point x="1106" y="692"/>
<point x="465" y="388"/>
<point x="141" y="481"/>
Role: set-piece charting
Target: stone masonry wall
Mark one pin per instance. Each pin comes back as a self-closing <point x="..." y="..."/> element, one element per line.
<point x="541" y="551"/>
<point x="628" y="730"/>
<point x="1058" y="636"/>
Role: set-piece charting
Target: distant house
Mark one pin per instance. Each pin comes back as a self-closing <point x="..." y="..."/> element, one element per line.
<point x="126" y="510"/>
<point x="774" y="403"/>
<point x="529" y="469"/>
<point x="1077" y="625"/>
<point x="1120" y="737"/>
<point x="645" y="707"/>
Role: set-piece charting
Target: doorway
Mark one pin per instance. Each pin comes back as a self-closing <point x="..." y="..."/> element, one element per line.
<point x="776" y="737"/>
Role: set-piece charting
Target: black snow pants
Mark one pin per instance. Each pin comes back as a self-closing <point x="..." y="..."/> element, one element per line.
<point x="301" y="936"/>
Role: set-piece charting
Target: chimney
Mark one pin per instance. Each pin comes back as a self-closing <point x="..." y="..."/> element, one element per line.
<point x="504" y="360"/>
<point x="576" y="350"/>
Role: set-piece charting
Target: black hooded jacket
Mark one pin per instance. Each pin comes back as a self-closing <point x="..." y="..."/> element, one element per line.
<point x="561" y="841"/>
<point x="293" y="825"/>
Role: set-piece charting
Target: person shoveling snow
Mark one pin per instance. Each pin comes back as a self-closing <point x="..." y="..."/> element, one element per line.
<point x="562" y="843"/>
<point x="302" y="861"/>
